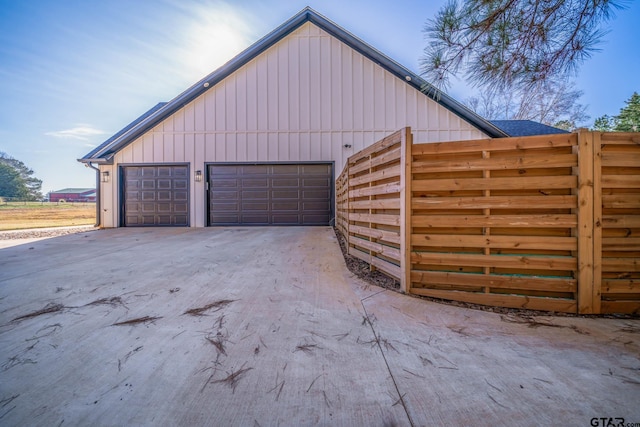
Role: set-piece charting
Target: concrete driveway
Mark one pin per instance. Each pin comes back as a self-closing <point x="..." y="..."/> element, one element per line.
<point x="265" y="327"/>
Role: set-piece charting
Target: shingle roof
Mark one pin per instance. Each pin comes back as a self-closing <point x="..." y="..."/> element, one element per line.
<point x="526" y="128"/>
<point x="105" y="152"/>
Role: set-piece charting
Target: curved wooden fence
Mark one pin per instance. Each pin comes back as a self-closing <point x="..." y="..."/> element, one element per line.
<point x="546" y="222"/>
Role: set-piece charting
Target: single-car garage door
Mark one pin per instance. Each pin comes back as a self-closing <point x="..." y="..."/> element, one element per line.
<point x="155" y="195"/>
<point x="270" y="194"/>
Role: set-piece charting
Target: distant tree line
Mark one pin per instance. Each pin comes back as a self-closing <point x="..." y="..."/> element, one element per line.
<point x="17" y="180"/>
<point x="627" y="121"/>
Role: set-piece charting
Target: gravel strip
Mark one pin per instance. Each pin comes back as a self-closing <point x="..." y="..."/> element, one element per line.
<point x="35" y="233"/>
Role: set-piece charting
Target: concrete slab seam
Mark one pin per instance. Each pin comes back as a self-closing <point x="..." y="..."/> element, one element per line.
<point x="395" y="384"/>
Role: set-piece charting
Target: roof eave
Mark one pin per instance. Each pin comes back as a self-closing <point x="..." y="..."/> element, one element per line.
<point x="97" y="160"/>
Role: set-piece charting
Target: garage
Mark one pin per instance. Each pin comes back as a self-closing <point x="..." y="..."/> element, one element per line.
<point x="270" y="194"/>
<point x="155" y="195"/>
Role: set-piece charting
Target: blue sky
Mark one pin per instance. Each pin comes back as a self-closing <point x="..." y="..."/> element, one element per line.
<point x="74" y="72"/>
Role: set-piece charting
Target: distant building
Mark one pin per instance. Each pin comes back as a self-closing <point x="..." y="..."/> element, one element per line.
<point x="73" y="195"/>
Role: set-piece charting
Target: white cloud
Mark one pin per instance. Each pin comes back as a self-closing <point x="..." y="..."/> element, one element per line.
<point x="81" y="132"/>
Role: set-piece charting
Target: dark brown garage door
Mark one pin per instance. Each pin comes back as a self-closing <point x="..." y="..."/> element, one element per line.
<point x="156" y="195"/>
<point x="276" y="194"/>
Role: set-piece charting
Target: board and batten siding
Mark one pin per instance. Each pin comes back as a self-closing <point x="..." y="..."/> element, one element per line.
<point x="302" y="99"/>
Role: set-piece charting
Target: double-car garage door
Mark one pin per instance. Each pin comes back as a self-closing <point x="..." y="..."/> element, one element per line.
<point x="238" y="194"/>
<point x="270" y="194"/>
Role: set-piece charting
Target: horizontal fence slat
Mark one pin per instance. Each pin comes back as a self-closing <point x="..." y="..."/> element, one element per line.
<point x="387" y="251"/>
<point x="381" y="145"/>
<point x="498" y="261"/>
<point x="515" y="183"/>
<point x="502" y="242"/>
<point x="376" y="190"/>
<point x="621" y="181"/>
<point x="375" y="233"/>
<point x="479" y="145"/>
<point x="391" y="172"/>
<point x="500" y="300"/>
<point x="387" y="267"/>
<point x="621" y="243"/>
<point x="629" y="159"/>
<point x="621" y="201"/>
<point x="621" y="286"/>
<point x="621" y="221"/>
<point x="422" y="165"/>
<point x="495" y="281"/>
<point x="620" y="138"/>
<point x="630" y="307"/>
<point x="375" y="218"/>
<point x="375" y="204"/>
<point x="621" y="265"/>
<point x="375" y="161"/>
<point x="391" y="269"/>
<point x="495" y="202"/>
<point x="505" y="221"/>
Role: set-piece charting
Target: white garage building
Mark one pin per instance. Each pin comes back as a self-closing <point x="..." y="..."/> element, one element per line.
<point x="260" y="140"/>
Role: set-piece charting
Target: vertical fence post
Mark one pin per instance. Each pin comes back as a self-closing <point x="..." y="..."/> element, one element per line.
<point x="406" y="178"/>
<point x="346" y="207"/>
<point x="597" y="223"/>
<point x="585" y="222"/>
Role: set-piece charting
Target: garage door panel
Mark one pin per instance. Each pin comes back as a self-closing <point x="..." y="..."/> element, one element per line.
<point x="285" y="182"/>
<point x="254" y="218"/>
<point x="276" y="194"/>
<point x="285" y="194"/>
<point x="255" y="183"/>
<point x="164" y="184"/>
<point x="224" y="183"/>
<point x="133" y="184"/>
<point x="164" y="195"/>
<point x="226" y="207"/>
<point x="181" y="220"/>
<point x="285" y="219"/>
<point x="315" y="219"/>
<point x="253" y="169"/>
<point x="223" y="195"/>
<point x="315" y="206"/>
<point x="156" y="195"/>
<point x="315" y="193"/>
<point x="255" y="206"/>
<point x="285" y="206"/>
<point x="180" y="196"/>
<point x="255" y="194"/>
<point x="147" y="207"/>
<point x="164" y="208"/>
<point x="317" y="169"/>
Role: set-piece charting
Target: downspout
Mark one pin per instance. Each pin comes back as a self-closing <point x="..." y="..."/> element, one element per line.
<point x="89" y="165"/>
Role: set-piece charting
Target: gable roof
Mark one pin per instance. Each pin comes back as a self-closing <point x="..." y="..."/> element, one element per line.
<point x="526" y="128"/>
<point x="107" y="150"/>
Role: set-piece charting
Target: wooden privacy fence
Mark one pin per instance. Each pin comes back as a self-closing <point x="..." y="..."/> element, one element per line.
<point x="545" y="222"/>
